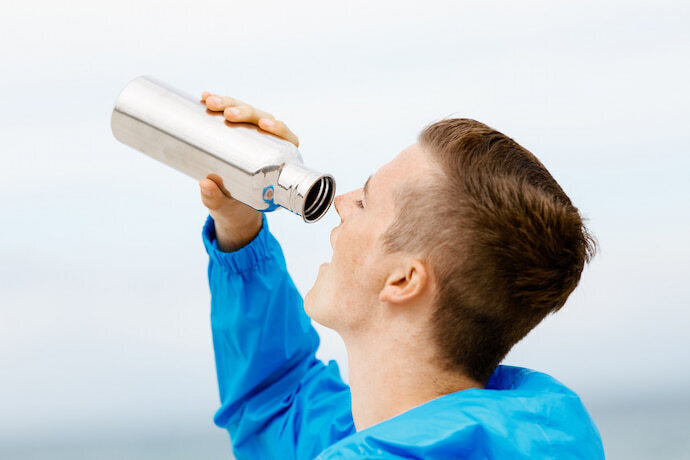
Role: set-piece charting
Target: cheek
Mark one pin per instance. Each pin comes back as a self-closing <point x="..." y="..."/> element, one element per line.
<point x="354" y="261"/>
<point x="350" y="250"/>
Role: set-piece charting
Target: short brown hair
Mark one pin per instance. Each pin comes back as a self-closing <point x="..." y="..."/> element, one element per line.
<point x="502" y="239"/>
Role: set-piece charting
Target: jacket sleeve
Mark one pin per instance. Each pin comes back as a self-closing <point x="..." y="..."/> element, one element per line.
<point x="277" y="399"/>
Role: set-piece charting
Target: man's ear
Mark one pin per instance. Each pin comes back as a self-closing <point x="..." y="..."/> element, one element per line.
<point x="406" y="281"/>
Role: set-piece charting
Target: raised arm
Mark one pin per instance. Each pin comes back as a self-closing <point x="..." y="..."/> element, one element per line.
<point x="277" y="399"/>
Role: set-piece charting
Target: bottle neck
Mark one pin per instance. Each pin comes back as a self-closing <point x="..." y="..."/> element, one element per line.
<point x="304" y="191"/>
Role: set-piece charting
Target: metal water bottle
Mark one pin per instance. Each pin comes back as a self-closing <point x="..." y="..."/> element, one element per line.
<point x="257" y="168"/>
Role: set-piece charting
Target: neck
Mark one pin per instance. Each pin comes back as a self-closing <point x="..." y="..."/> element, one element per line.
<point x="390" y="376"/>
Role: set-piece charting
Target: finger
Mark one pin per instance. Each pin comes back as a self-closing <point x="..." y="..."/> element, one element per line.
<point x="246" y="114"/>
<point x="213" y="195"/>
<point x="204" y="95"/>
<point x="219" y="182"/>
<point x="279" y="128"/>
<point x="220" y="103"/>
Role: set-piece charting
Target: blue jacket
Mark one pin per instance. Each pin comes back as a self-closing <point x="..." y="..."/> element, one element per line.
<point x="279" y="402"/>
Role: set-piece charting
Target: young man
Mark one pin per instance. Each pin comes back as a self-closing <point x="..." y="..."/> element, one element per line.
<point x="447" y="257"/>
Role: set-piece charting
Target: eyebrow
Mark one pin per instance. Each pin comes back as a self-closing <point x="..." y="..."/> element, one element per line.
<point x="366" y="190"/>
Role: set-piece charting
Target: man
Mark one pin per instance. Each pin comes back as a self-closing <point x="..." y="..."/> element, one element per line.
<point x="447" y="257"/>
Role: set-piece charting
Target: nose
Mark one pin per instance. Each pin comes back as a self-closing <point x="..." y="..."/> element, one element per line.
<point x="338" y="205"/>
<point x="343" y="204"/>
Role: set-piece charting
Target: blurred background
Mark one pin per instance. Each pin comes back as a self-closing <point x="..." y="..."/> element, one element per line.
<point x="105" y="347"/>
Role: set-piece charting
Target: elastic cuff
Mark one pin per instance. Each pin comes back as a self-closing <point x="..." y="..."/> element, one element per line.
<point x="248" y="257"/>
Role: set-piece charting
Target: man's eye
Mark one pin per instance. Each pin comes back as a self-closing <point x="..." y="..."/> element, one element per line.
<point x="359" y="204"/>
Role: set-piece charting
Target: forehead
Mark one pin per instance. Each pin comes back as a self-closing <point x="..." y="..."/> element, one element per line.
<point x="410" y="164"/>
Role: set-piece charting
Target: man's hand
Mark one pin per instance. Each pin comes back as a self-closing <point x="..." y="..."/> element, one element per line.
<point x="236" y="223"/>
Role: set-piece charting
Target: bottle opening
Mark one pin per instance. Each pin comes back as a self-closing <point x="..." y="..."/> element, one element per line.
<point x="319" y="199"/>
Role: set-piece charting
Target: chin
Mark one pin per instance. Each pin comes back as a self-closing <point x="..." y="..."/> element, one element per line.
<point x="313" y="306"/>
<point x="308" y="302"/>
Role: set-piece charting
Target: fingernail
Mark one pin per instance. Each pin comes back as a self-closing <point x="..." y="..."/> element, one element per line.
<point x="213" y="100"/>
<point x="233" y="111"/>
<point x="205" y="191"/>
<point x="267" y="122"/>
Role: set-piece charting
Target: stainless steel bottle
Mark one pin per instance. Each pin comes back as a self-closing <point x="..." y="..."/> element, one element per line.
<point x="257" y="168"/>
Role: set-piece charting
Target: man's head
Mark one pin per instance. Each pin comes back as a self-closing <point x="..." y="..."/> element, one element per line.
<point x="362" y="273"/>
<point x="464" y="234"/>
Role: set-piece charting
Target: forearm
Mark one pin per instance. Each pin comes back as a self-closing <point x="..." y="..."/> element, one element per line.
<point x="239" y="231"/>
<point x="277" y="399"/>
<point x="261" y="334"/>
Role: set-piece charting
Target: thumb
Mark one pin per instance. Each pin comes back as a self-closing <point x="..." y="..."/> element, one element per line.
<point x="211" y="195"/>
